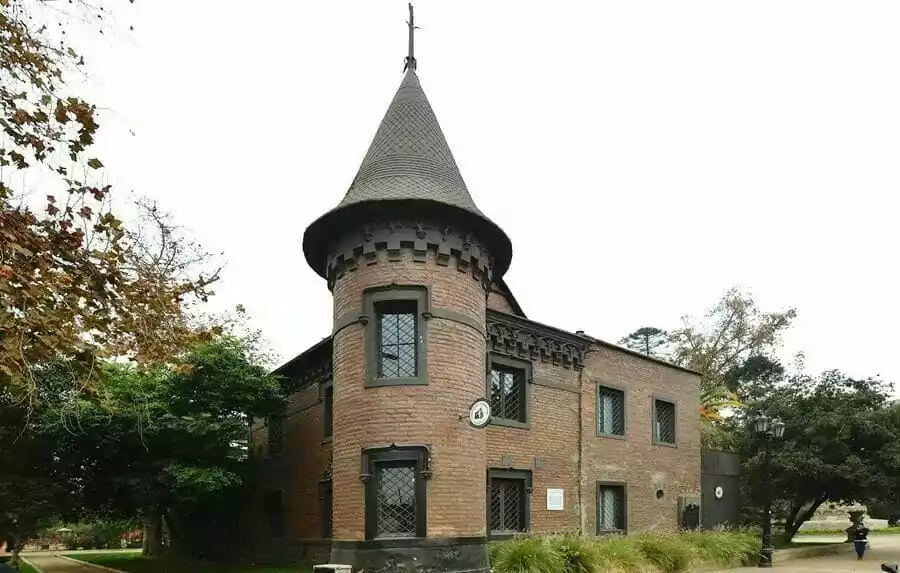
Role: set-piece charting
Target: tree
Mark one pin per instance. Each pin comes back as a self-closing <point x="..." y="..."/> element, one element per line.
<point x="646" y="340"/>
<point x="733" y="331"/>
<point x="841" y="444"/>
<point x="162" y="443"/>
<point x="75" y="282"/>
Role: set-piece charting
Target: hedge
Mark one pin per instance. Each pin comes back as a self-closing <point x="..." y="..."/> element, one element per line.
<point x="643" y="553"/>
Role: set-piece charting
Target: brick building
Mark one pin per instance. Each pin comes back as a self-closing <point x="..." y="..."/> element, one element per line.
<point x="374" y="462"/>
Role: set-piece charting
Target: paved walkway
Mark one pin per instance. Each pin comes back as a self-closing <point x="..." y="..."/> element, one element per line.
<point x="51" y="564"/>
<point x="882" y="549"/>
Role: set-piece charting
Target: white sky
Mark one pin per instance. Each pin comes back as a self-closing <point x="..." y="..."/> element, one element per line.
<point x="643" y="156"/>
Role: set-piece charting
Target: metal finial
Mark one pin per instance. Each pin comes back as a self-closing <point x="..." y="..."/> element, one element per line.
<point x="410" y="62"/>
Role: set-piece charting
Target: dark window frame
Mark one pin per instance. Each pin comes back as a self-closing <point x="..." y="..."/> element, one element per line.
<point x="611" y="484"/>
<point x="326" y="508"/>
<point x="275" y="532"/>
<point x="372" y="297"/>
<point x="418" y="456"/>
<point x="510" y="474"/>
<point x="607" y="386"/>
<point x="326" y="391"/>
<point x="275" y="441"/>
<point x="507" y="363"/>
<point x="653" y="427"/>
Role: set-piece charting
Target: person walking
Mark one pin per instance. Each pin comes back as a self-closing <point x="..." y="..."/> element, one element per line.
<point x="860" y="540"/>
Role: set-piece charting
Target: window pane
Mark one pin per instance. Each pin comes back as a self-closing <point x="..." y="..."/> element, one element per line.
<point x="397" y="345"/>
<point x="508" y="393"/>
<point x="327" y="511"/>
<point x="395" y="489"/>
<point x="276" y="434"/>
<point x="665" y="422"/>
<point x="507" y="505"/>
<point x="611" y="411"/>
<point x="612" y="506"/>
<point x="327" y="422"/>
<point x="496" y="394"/>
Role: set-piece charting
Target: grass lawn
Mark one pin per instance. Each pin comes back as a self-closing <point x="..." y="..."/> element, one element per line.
<point x="26" y="568"/>
<point x="137" y="563"/>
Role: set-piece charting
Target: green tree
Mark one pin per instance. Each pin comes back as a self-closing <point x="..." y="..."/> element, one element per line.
<point x="841" y="444"/>
<point x="647" y="340"/>
<point x="161" y="443"/>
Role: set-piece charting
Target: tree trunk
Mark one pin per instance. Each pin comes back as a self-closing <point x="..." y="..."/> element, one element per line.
<point x="14" y="546"/>
<point x="152" y="544"/>
<point x="799" y="515"/>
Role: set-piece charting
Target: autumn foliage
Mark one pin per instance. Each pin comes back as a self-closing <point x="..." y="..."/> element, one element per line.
<point x="75" y="281"/>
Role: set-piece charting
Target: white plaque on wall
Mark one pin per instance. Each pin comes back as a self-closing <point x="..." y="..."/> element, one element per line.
<point x="555" y="499"/>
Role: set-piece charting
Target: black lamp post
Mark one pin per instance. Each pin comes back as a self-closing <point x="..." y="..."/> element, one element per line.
<point x="768" y="429"/>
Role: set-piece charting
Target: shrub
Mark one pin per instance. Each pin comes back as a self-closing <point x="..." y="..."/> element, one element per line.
<point x="667" y="552"/>
<point x="579" y="554"/>
<point x="527" y="555"/>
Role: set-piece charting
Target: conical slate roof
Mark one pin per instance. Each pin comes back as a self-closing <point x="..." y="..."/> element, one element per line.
<point x="408" y="170"/>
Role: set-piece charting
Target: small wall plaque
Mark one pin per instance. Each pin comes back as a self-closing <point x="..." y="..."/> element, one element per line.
<point x="555" y="499"/>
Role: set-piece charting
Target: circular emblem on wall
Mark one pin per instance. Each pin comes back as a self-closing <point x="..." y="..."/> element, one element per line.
<point x="479" y="413"/>
<point x="719" y="492"/>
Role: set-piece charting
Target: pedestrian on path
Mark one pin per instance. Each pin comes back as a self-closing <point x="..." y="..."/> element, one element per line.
<point x="860" y="539"/>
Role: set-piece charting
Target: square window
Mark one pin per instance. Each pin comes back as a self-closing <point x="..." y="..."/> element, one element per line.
<point x="397" y="346"/>
<point x="327" y="410"/>
<point x="663" y="422"/>
<point x="395" y="492"/>
<point x="276" y="434"/>
<point x="508" y="391"/>
<point x="611" y="508"/>
<point x="273" y="507"/>
<point x="508" y="507"/>
<point x="610" y="411"/>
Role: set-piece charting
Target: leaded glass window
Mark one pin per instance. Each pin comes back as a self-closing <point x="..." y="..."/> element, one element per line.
<point x="507" y="505"/>
<point x="664" y="421"/>
<point x="397" y="347"/>
<point x="328" y="413"/>
<point x="610" y="411"/>
<point x="395" y="487"/>
<point x="508" y="393"/>
<point x="610" y="508"/>
<point x="276" y="434"/>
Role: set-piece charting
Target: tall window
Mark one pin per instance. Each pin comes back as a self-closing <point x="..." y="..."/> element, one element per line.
<point x="663" y="422"/>
<point x="397" y="339"/>
<point x="610" y="508"/>
<point x="276" y="434"/>
<point x="508" y="510"/>
<point x="395" y="493"/>
<point x="327" y="508"/>
<point x="396" y="333"/>
<point x="508" y="389"/>
<point x="273" y="507"/>
<point x="327" y="410"/>
<point x="610" y="412"/>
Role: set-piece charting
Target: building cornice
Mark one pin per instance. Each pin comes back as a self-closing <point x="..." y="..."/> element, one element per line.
<point x="515" y="336"/>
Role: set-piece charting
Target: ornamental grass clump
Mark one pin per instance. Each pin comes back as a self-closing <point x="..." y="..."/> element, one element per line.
<point x="527" y="555"/>
<point x="724" y="548"/>
<point x="619" y="554"/>
<point x="667" y="552"/>
<point x="579" y="554"/>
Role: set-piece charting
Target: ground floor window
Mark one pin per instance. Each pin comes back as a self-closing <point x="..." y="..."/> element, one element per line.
<point x="395" y="492"/>
<point x="327" y="508"/>
<point x="611" y="504"/>
<point x="508" y="501"/>
<point x="273" y="507"/>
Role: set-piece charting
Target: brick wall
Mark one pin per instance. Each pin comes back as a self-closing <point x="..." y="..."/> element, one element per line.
<point x="367" y="417"/>
<point x="645" y="467"/>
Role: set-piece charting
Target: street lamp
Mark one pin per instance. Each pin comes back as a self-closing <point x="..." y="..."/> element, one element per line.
<point x="768" y="429"/>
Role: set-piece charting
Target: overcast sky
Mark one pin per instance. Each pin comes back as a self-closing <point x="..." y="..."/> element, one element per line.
<point x="643" y="156"/>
